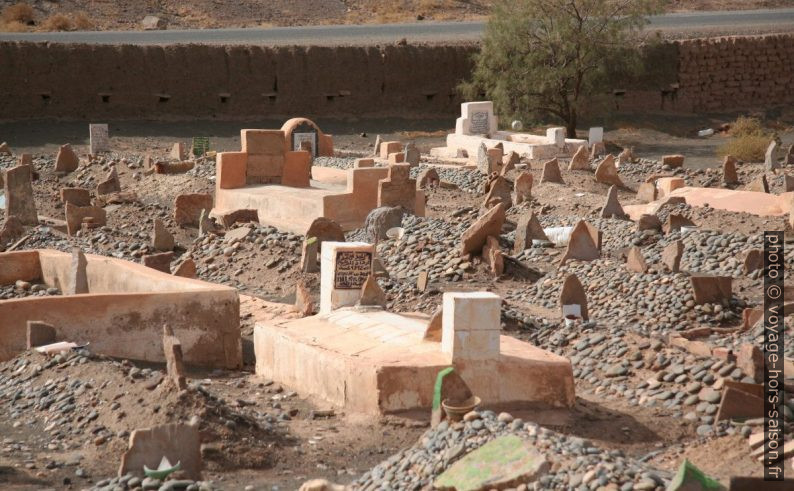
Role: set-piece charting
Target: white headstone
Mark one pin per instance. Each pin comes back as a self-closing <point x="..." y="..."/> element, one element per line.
<point x="476" y="118"/>
<point x="470" y="325"/>
<point x="596" y="135"/>
<point x="98" y="134"/>
<point x="556" y="136"/>
<point x="344" y="267"/>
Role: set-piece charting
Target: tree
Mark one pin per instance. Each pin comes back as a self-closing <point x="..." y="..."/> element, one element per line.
<point x="547" y="57"/>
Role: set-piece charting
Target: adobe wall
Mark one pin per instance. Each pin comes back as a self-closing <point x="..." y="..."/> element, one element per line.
<point x="188" y="81"/>
<point x="125" y="310"/>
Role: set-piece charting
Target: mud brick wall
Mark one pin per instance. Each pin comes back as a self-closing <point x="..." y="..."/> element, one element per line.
<point x="736" y="72"/>
<point x="106" y="82"/>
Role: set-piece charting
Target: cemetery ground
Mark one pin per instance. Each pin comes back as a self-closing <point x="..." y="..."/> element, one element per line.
<point x="637" y="396"/>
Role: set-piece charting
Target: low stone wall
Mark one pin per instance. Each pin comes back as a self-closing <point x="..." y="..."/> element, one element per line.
<point x="125" y="312"/>
<point x="49" y="80"/>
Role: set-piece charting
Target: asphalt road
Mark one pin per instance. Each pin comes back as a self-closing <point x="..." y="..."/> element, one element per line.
<point x="724" y="22"/>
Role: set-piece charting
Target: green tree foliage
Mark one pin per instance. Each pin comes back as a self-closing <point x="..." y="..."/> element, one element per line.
<point x="543" y="58"/>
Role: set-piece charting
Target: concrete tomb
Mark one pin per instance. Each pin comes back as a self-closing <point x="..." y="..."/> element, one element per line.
<point x="18" y="191"/>
<point x="478" y="125"/>
<point x="119" y="308"/>
<point x="289" y="193"/>
<point x="368" y="360"/>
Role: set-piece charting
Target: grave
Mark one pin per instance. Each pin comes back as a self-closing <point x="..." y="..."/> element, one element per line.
<point x="478" y="125"/>
<point x="98" y="138"/>
<point x="18" y="193"/>
<point x="387" y="357"/>
<point x="753" y="202"/>
<point x="282" y="186"/>
<point x="123" y="311"/>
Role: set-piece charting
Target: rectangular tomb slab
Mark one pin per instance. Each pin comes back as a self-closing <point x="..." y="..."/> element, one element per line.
<point x="124" y="312"/>
<point x="377" y="362"/>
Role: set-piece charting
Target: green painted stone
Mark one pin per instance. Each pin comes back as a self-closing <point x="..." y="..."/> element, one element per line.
<point x="504" y="462"/>
<point x="690" y="478"/>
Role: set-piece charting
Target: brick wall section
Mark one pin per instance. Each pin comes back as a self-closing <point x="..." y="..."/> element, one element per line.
<point x="229" y="82"/>
<point x="736" y="72"/>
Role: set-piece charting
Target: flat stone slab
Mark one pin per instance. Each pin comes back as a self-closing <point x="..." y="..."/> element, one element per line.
<point x="499" y="464"/>
<point x="755" y="203"/>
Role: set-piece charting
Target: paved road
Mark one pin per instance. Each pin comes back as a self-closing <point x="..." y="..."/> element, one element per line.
<point x="691" y="22"/>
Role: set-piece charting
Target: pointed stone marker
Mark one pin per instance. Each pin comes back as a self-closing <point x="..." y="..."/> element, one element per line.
<point x="160" y="261"/>
<point x="162" y="240"/>
<point x="759" y="185"/>
<point x="433" y="331"/>
<point x="607" y="173"/>
<point x="527" y="230"/>
<point x="671" y="256"/>
<point x="309" y="251"/>
<point x="711" y="289"/>
<point x="509" y="162"/>
<point x="66" y="160"/>
<point x="523" y="187"/>
<point x="499" y="192"/>
<point x="110" y="185"/>
<point x="473" y="239"/>
<point x="372" y="294"/>
<point x="421" y="281"/>
<point x="580" y="160"/>
<point x="635" y="261"/>
<point x="646" y="192"/>
<point x="19" y="198"/>
<point x="186" y="269"/>
<point x="729" y="175"/>
<point x="573" y="293"/>
<point x="581" y="244"/>
<point x="770" y="156"/>
<point x="675" y="221"/>
<point x="753" y="261"/>
<point x="78" y="277"/>
<point x="551" y="172"/>
<point x="173" y="358"/>
<point x="612" y="207"/>
<point x="303" y="300"/>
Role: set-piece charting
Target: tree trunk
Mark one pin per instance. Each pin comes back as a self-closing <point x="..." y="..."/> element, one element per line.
<point x="570" y="125"/>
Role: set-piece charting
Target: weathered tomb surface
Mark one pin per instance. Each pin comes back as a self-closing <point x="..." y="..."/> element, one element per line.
<point x="119" y="308"/>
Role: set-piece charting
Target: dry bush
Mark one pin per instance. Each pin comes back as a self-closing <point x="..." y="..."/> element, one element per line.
<point x="13" y="27"/>
<point x="749" y="148"/>
<point x="56" y="22"/>
<point x="750" y="140"/>
<point x="744" y="126"/>
<point x="21" y="13"/>
<point x="82" y="22"/>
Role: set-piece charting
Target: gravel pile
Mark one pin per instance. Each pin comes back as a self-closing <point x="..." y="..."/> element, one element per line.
<point x="335" y="162"/>
<point x="467" y="180"/>
<point x="22" y="289"/>
<point x="576" y="462"/>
